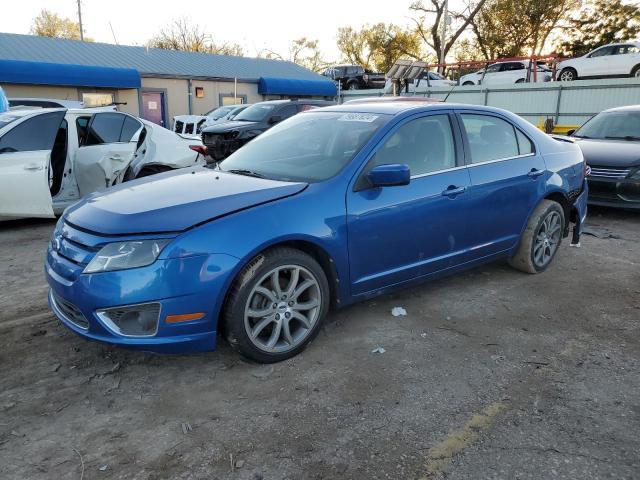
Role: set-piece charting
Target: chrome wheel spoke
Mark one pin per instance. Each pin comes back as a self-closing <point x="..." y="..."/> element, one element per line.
<point x="265" y="292"/>
<point x="306" y="305"/>
<point x="260" y="326"/>
<point x="251" y="312"/>
<point x="275" y="283"/>
<point x="275" y="335"/>
<point x="301" y="318"/>
<point x="286" y="332"/>
<point x="302" y="287"/>
<point x="295" y="276"/>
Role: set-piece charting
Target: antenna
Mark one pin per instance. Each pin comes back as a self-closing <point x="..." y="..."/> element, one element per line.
<point x="113" y="33"/>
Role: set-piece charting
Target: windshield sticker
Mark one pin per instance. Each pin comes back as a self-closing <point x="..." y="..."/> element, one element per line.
<point x="358" y="117"/>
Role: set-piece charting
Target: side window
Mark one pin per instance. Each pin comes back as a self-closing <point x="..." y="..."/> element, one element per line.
<point x="514" y="66"/>
<point x="490" y="138"/>
<point x="601" y="52"/>
<point x="425" y="145"/>
<point x="525" y="146"/>
<point x="130" y="127"/>
<point x="81" y="127"/>
<point x="288" y="111"/>
<point x="34" y="134"/>
<point x="494" y="68"/>
<point x="105" y="128"/>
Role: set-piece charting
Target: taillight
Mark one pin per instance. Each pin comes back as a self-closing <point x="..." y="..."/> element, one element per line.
<point x="201" y="149"/>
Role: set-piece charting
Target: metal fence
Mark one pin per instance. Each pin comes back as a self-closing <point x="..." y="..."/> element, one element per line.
<point x="567" y="103"/>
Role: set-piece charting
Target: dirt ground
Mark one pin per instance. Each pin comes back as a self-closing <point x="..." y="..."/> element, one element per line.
<point x="492" y="374"/>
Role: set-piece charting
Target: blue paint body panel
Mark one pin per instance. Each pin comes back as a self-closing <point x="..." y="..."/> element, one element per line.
<point x="378" y="239"/>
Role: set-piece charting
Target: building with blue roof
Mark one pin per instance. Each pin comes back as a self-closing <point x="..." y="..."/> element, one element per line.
<point x="152" y="83"/>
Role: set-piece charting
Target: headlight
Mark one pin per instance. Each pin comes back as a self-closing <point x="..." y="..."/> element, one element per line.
<point x="121" y="255"/>
<point x="636" y="176"/>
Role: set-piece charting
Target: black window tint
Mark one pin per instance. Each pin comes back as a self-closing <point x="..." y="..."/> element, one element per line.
<point x="525" y="146"/>
<point x="105" y="128"/>
<point x="425" y="145"/>
<point x="36" y="133"/>
<point x="490" y="138"/>
<point x="602" y="52"/>
<point x="494" y="68"/>
<point x="130" y="127"/>
<point x="288" y="111"/>
<point x="514" y="66"/>
<point x="81" y="127"/>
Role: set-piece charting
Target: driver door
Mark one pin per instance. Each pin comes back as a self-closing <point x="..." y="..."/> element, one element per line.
<point x="24" y="166"/>
<point x="399" y="233"/>
<point x="598" y="63"/>
<point x="105" y="151"/>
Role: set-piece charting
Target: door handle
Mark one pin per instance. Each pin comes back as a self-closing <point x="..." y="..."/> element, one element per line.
<point x="453" y="191"/>
<point x="115" y="157"/>
<point x="535" y="173"/>
<point x="33" y="167"/>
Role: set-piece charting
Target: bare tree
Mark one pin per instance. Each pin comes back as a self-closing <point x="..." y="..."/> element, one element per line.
<point x="302" y="51"/>
<point x="182" y="35"/>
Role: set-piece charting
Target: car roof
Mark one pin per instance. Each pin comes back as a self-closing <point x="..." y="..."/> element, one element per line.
<point x="400" y="107"/>
<point x="626" y="108"/>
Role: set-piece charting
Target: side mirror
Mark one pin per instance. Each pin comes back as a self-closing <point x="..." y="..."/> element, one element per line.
<point x="391" y="175"/>
<point x="571" y="132"/>
<point x="275" y="119"/>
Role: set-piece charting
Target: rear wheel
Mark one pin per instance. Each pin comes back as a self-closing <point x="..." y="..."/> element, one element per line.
<point x="541" y="239"/>
<point x="636" y="71"/>
<point x="466" y="84"/>
<point x="353" y="86"/>
<point x="568" y="75"/>
<point x="276" y="305"/>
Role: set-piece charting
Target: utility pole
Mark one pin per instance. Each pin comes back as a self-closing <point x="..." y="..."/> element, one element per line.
<point x="443" y="35"/>
<point x="80" y="20"/>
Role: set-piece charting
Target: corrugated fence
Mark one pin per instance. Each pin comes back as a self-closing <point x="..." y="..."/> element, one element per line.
<point x="567" y="103"/>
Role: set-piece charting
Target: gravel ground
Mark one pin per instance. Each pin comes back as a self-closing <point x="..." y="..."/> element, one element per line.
<point x="492" y="374"/>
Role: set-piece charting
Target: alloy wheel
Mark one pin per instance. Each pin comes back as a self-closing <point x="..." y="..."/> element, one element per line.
<point x="566" y="76"/>
<point x="282" y="308"/>
<point x="547" y="239"/>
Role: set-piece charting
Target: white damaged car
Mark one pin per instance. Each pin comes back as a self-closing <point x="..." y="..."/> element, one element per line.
<point x="50" y="158"/>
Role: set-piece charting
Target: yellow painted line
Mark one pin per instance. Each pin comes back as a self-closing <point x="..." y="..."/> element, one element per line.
<point x="440" y="455"/>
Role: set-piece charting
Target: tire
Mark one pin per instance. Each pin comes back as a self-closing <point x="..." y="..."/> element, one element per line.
<point x="520" y="80"/>
<point x="152" y="170"/>
<point x="568" y="75"/>
<point x="543" y="233"/>
<point x="466" y="84"/>
<point x="256" y="311"/>
<point x="635" y="72"/>
<point x="353" y="86"/>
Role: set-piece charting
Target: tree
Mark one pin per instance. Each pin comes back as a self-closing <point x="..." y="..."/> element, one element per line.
<point x="428" y="20"/>
<point x="302" y="51"/>
<point x="378" y="46"/>
<point x="49" y="24"/>
<point x="600" y="22"/>
<point x="510" y="28"/>
<point x="182" y="35"/>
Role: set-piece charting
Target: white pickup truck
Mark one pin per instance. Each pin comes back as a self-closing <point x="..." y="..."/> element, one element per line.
<point x="50" y="158"/>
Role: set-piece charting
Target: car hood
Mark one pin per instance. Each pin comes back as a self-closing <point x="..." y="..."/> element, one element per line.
<point x="189" y="118"/>
<point x="230" y="125"/>
<point x="610" y="153"/>
<point x="174" y="201"/>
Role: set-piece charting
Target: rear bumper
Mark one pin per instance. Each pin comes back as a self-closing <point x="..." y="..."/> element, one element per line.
<point x="181" y="286"/>
<point x="607" y="192"/>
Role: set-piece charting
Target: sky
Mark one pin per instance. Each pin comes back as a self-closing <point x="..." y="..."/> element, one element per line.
<point x="254" y="24"/>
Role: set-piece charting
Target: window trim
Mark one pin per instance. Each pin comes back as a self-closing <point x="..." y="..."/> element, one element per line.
<point x="141" y="126"/>
<point x="458" y="146"/>
<point x="467" y="145"/>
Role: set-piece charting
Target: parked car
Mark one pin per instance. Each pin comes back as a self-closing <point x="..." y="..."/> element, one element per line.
<point x="223" y="139"/>
<point x="610" y="143"/>
<point x="232" y="114"/>
<point x="328" y="208"/>
<point x="507" y="73"/>
<point x="355" y="77"/>
<point x="613" y="60"/>
<point x="192" y="124"/>
<point x="421" y="84"/>
<point x="50" y="158"/>
<point x="45" y="103"/>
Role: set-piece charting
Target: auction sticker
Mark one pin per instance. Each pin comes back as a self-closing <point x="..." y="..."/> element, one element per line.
<point x="358" y="117"/>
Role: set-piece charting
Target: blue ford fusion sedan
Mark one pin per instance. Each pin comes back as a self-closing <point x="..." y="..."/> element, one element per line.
<point x="327" y="208"/>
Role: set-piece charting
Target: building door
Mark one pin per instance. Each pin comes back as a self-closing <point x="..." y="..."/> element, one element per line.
<point x="153" y="107"/>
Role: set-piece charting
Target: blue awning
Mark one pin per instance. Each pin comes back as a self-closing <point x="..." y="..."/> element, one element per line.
<point x="40" y="73"/>
<point x="288" y="86"/>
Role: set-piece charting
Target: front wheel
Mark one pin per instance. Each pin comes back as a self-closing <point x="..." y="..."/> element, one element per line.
<point x="541" y="239"/>
<point x="568" y="75"/>
<point x="636" y="71"/>
<point x="466" y="84"/>
<point x="276" y="305"/>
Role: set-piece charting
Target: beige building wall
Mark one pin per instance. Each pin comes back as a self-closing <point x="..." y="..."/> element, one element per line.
<point x="175" y="94"/>
<point x="213" y="90"/>
<point x="41" y="91"/>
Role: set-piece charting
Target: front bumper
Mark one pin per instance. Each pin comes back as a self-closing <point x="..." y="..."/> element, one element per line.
<point x="180" y="285"/>
<point x="220" y="147"/>
<point x="612" y="192"/>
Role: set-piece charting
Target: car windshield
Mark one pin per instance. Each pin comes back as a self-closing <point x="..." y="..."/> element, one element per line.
<point x="624" y="125"/>
<point x="218" y="113"/>
<point x="256" y="113"/>
<point x="7" y="118"/>
<point x="309" y="147"/>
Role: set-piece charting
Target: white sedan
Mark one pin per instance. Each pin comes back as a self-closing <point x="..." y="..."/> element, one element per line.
<point x="613" y="60"/>
<point x="50" y="158"/>
<point x="506" y="73"/>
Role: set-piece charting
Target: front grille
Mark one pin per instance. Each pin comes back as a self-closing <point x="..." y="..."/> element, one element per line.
<point x="74" y="251"/>
<point x="609" y="172"/>
<point x="69" y="311"/>
<point x="132" y="320"/>
<point x="189" y="129"/>
<point x="179" y="126"/>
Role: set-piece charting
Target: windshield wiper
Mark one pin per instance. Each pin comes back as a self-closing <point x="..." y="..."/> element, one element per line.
<point x="248" y="173"/>
<point x="626" y="137"/>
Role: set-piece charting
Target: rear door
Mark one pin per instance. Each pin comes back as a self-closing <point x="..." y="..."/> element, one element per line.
<point x="25" y="153"/>
<point x="507" y="181"/>
<point x="106" y="150"/>
<point x="624" y="58"/>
